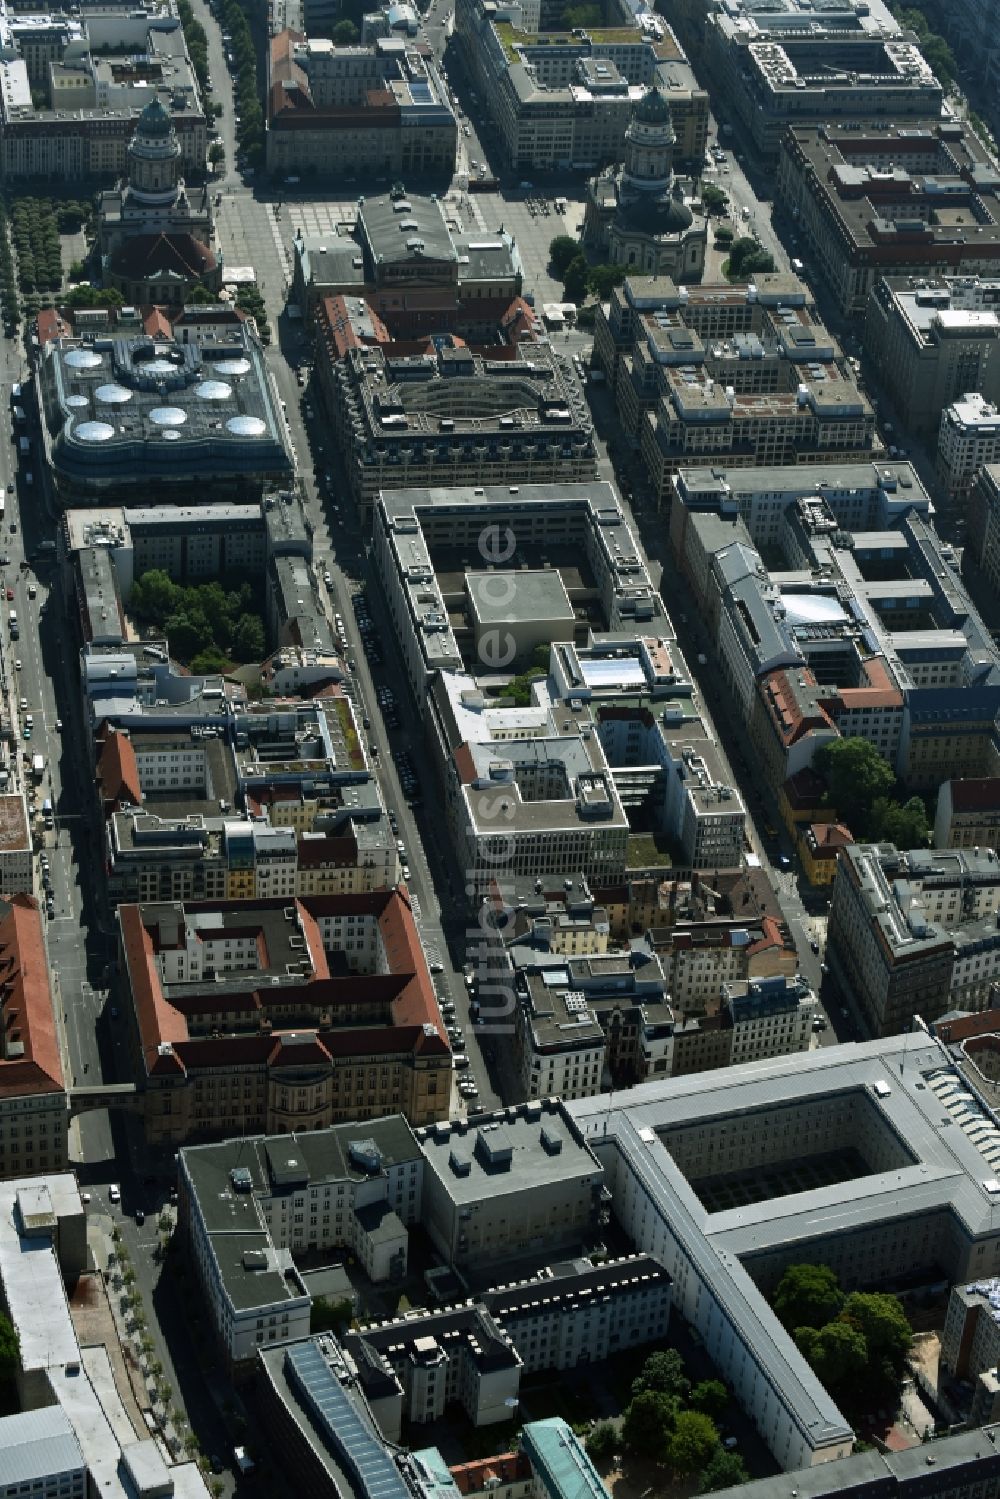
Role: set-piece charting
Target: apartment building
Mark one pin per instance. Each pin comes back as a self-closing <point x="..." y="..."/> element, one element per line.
<point x="357" y="111"/>
<point x="34" y="1121"/>
<point x="931" y="339"/>
<point x="523" y="1178"/>
<point x="404" y="419"/>
<point x="74" y="84"/>
<point x="270" y="1015"/>
<point x="563" y="99"/>
<point x="701" y="958"/>
<point x="914" y="933"/>
<point x="769" y="1017"/>
<point x="968" y="813"/>
<point x="588" y="1022"/>
<point x="249" y="1206"/>
<point x="866" y="199"/>
<point x="788" y="66"/>
<point x="968" y="440"/>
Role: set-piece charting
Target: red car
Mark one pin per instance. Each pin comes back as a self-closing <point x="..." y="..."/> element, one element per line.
<point x="10" y="595"/>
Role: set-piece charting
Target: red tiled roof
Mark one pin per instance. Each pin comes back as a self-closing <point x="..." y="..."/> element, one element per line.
<point x="118" y="770"/>
<point x="156" y="323"/>
<point x="465" y="765"/>
<point x="26" y="1009"/>
<point x="492" y="1472"/>
<point x="149" y="256"/>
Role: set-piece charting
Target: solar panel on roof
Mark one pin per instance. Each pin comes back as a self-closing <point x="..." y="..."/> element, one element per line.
<point x="362" y="1451"/>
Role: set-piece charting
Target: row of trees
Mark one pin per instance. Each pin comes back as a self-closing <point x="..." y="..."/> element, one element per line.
<point x="36" y="239"/>
<point x="936" y="53"/>
<point x="197" y="44"/>
<point x="857" y="1344"/>
<point x="207" y="624"/>
<point x="250" y="131"/>
<point x="862" y="790"/>
<point x="672" y="1424"/>
<point x="9" y="304"/>
<point x="569" y="265"/>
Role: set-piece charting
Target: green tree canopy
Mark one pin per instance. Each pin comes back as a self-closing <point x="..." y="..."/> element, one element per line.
<point x="648" y="1425"/>
<point x="724" y="1470"/>
<point x="745" y="257"/>
<point x="562" y="251"/>
<point x="248" y="638"/>
<point x="714" y="199"/>
<point x="882" y="1322"/>
<point x="576" y="281"/>
<point x="10" y="1349"/>
<point x="856" y="776"/>
<point x="906" y="826"/>
<point x="807" y="1296"/>
<point x="692" y="1443"/>
<point x="330" y="1316"/>
<point x="603" y="1441"/>
<point x="710" y="1397"/>
<point x="345" y="33"/>
<point x="603" y="279"/>
<point x="837" y="1352"/>
<point x="663" y="1372"/>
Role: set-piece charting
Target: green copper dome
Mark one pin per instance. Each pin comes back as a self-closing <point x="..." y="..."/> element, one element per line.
<point x="653" y="108"/>
<point x="154" y="120"/>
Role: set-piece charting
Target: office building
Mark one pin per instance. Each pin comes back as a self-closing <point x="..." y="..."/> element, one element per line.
<point x="16" y="871"/>
<point x="431" y="546"/>
<point x="789" y="65"/>
<point x="185" y="415"/>
<point x="867" y="198"/>
<point x="984" y="524"/>
<point x="357" y="112"/>
<point x="572" y="1313"/>
<point x="41" y="1456"/>
<point x="931" y="339"/>
<point x="416" y="1367"/>
<point x="968" y="440"/>
<point x="968" y="813"/>
<point x="716" y="375"/>
<point x="914" y="933"/>
<point x="249" y="1206"/>
<point x="453" y="418"/>
<point x="33" y="1110"/>
<point x="407" y="271"/>
<point x="75" y="82"/>
<point x="70" y="1405"/>
<point x="832" y="644"/>
<point x="698" y="1173"/>
<point x="521" y="1180"/>
<point x="562" y="99"/>
<point x="280" y="1014"/>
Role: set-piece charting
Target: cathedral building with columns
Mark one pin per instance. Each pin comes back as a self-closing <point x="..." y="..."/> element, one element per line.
<point x="637" y="215"/>
<point x="155" y="235"/>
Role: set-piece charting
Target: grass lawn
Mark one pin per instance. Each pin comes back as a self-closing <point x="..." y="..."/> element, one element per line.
<point x="645" y="850"/>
